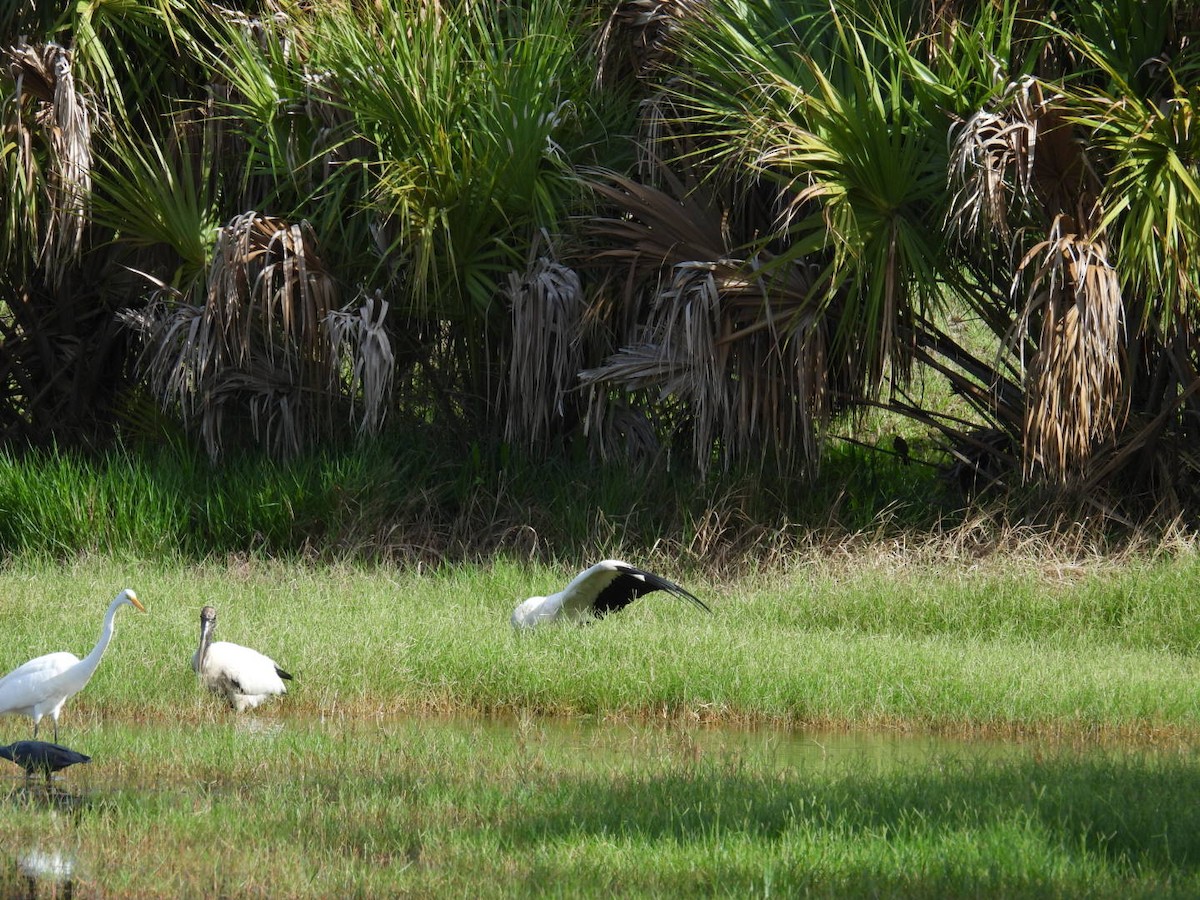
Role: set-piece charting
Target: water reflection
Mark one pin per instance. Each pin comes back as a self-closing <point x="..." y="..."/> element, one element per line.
<point x="779" y="748"/>
<point x="256" y="727"/>
<point x="48" y="866"/>
<point x="47" y="796"/>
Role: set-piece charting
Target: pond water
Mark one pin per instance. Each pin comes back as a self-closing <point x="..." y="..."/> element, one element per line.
<point x="133" y="759"/>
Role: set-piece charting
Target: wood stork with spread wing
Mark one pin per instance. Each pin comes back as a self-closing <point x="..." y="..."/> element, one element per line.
<point x="41" y="686"/>
<point x="41" y="756"/>
<point x="606" y="587"/>
<point x="243" y="676"/>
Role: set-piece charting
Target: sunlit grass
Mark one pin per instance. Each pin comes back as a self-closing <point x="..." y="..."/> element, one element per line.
<point x="298" y="808"/>
<point x="1004" y="648"/>
<point x="1081" y="678"/>
<point x="414" y="499"/>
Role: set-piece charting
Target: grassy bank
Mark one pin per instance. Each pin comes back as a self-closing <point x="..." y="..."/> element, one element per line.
<point x="1083" y="668"/>
<point x="418" y="500"/>
<point x="1008" y="645"/>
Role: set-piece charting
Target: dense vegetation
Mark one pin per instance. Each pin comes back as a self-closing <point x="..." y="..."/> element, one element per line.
<point x="666" y="229"/>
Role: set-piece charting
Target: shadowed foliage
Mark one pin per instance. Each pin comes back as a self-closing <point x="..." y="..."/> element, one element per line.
<point x="710" y="229"/>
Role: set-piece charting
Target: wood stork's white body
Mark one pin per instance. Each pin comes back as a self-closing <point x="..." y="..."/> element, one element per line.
<point x="244" y="677"/>
<point x="606" y="587"/>
<point x="41" y="686"/>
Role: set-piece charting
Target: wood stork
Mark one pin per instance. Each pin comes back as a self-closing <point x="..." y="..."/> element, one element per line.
<point x="605" y="587"/>
<point x="243" y="676"/>
<point x="41" y="686"/>
<point x="41" y="756"/>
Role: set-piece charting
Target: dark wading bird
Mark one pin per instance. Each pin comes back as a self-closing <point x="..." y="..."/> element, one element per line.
<point x="41" y="686"/>
<point x="243" y="676"/>
<point x="41" y="756"/>
<point x="606" y="587"/>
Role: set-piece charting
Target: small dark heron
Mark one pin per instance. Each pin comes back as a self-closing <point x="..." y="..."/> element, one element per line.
<point x="606" y="587"/>
<point x="41" y="756"/>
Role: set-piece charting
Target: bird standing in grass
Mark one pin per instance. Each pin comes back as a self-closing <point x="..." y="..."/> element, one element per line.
<point x="41" y="756"/>
<point x="41" y="686"/>
<point x="606" y="587"/>
<point x="243" y="676"/>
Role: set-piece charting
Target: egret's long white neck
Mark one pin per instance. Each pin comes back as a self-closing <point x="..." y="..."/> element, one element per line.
<point x="86" y="666"/>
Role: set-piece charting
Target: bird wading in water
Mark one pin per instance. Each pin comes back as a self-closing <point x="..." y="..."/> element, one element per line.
<point x="244" y="677"/>
<point x="41" y="686"/>
<point x="41" y="756"/>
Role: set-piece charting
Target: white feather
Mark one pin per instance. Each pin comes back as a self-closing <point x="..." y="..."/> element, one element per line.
<point x="577" y="601"/>
<point x="243" y="676"/>
<point x="41" y="686"/>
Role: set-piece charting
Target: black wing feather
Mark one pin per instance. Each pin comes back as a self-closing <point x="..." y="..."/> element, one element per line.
<point x="631" y="583"/>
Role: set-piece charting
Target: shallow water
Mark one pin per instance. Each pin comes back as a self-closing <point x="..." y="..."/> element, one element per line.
<point x="185" y="765"/>
<point x="599" y="741"/>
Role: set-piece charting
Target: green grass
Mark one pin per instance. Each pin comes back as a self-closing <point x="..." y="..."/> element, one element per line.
<point x="435" y="808"/>
<point x="1008" y="646"/>
<point x="610" y="759"/>
<point x="414" y="498"/>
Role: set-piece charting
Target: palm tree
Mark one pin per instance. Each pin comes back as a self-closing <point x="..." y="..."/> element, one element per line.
<point x="64" y="353"/>
<point x="992" y="156"/>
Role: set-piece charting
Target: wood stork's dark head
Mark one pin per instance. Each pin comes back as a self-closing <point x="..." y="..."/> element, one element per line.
<point x="208" y="622"/>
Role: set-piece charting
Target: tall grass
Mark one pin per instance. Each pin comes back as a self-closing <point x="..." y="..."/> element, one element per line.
<point x="418" y="500"/>
<point x="1085" y="667"/>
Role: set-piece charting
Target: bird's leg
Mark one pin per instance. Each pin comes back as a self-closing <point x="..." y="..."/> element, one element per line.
<point x="56" y="729"/>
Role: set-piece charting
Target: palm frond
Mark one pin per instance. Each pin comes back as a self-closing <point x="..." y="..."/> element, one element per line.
<point x="63" y="116"/>
<point x="991" y="165"/>
<point x="260" y="342"/>
<point x="1076" y="392"/>
<point x="636" y="37"/>
<point x="359" y="341"/>
<point x="1151" y="200"/>
<point x="150" y="196"/>
<point x="547" y="348"/>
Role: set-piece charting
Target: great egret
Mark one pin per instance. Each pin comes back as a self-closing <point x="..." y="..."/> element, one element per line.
<point x="245" y="677"/>
<point x="605" y="587"/>
<point x="41" y="756"/>
<point x="41" y="686"/>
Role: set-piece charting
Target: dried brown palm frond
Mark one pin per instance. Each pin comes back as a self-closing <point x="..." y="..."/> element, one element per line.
<point x="620" y="429"/>
<point x="359" y="341"/>
<point x="1020" y="162"/>
<point x="635" y="39"/>
<point x="267" y="276"/>
<point x="1020" y="170"/>
<point x="743" y="389"/>
<point x="267" y="343"/>
<point x="992" y="158"/>
<point x="547" y="348"/>
<point x="654" y="230"/>
<point x="64" y="115"/>
<point x="1076" y="396"/>
<point x="735" y="355"/>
